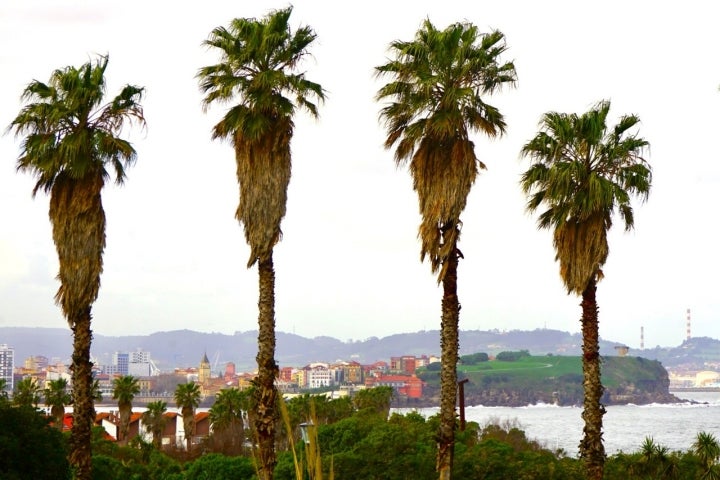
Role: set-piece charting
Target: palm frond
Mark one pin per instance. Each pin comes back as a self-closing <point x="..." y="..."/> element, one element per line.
<point x="582" y="174"/>
<point x="259" y="59"/>
<point x="434" y="101"/>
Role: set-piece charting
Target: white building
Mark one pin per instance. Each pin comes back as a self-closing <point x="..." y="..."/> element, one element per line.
<point x="136" y="364"/>
<point x="318" y="375"/>
<point x="7" y="365"/>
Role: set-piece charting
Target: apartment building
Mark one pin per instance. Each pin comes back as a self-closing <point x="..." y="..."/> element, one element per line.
<point x="7" y="365"/>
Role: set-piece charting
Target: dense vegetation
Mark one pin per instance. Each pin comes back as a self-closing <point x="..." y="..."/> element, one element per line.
<point x="356" y="439"/>
<point x="29" y="447"/>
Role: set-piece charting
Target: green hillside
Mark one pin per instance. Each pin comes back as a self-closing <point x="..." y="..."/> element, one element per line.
<point x="555" y="379"/>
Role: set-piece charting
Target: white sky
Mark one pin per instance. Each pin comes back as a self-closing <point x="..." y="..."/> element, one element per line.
<point x="348" y="265"/>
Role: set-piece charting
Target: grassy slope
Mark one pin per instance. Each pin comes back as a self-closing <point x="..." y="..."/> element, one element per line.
<point x="616" y="370"/>
<point x="543" y="377"/>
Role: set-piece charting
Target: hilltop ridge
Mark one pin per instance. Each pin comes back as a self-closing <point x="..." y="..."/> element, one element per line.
<point x="186" y="347"/>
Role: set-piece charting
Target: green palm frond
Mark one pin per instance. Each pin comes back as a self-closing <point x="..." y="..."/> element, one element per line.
<point x="69" y="131"/>
<point x="435" y="100"/>
<point x="125" y="388"/>
<point x="259" y="59"/>
<point x="582" y="174"/>
<point x="188" y="395"/>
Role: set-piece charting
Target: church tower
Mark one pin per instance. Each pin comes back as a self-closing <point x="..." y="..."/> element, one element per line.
<point x="204" y="370"/>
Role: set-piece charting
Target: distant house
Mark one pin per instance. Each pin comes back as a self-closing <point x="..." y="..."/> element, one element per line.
<point x="622" y="350"/>
<point x="202" y="426"/>
<point x="110" y="421"/>
<point x="375" y="370"/>
<point x="318" y="375"/>
<point x="285" y="374"/>
<point x="408" y="386"/>
<point x="353" y="373"/>
<point x="406" y="364"/>
<point x="169" y="435"/>
<point x="68" y="424"/>
<point x="244" y="380"/>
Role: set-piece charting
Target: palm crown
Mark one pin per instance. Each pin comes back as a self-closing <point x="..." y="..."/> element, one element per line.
<point x="154" y="420"/>
<point x="258" y="57"/>
<point x="56" y="393"/>
<point x="583" y="173"/>
<point x="258" y="61"/>
<point x="68" y="130"/>
<point x="436" y="100"/>
<point x="125" y="388"/>
<point x="187" y="395"/>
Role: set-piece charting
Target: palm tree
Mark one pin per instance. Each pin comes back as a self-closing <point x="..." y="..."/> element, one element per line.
<point x="656" y="461"/>
<point x="154" y="420"/>
<point x="3" y="390"/>
<point x="583" y="173"/>
<point x="258" y="61"/>
<point x="707" y="448"/>
<point x="57" y="396"/>
<point x="27" y="393"/>
<point x="226" y="417"/>
<point x="97" y="395"/>
<point x="187" y="397"/>
<point x="70" y="142"/>
<point x="124" y="390"/>
<point x="436" y="93"/>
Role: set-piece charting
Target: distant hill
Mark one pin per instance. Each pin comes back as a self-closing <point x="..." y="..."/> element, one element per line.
<point x="186" y="348"/>
<point x="558" y="379"/>
<point x="693" y="353"/>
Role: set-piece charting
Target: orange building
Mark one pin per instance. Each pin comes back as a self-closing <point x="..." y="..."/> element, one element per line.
<point x="406" y="385"/>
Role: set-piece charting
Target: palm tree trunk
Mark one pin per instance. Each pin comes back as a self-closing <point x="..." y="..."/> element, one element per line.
<point x="125" y="410"/>
<point x="592" y="450"/>
<point x="265" y="390"/>
<point x="78" y="223"/>
<point x="189" y="425"/>
<point x="449" y="345"/>
<point x="58" y="413"/>
<point x="83" y="409"/>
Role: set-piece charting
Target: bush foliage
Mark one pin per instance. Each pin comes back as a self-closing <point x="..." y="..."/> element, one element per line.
<point x="356" y="440"/>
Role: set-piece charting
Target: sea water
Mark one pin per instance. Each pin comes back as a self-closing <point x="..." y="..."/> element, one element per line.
<point x="625" y="427"/>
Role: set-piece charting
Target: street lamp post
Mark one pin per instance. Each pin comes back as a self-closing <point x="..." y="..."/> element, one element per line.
<point x="304" y="431"/>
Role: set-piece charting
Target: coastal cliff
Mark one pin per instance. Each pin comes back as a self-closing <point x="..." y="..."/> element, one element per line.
<point x="556" y="381"/>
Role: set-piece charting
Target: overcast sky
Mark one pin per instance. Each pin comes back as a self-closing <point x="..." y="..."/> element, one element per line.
<point x="348" y="265"/>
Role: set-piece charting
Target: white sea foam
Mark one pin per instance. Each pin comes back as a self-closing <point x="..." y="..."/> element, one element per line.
<point x="625" y="426"/>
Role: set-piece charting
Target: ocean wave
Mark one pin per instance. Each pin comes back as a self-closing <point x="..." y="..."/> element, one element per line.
<point x="687" y="404"/>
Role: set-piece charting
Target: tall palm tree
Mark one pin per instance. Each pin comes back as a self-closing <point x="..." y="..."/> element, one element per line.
<point x="124" y="390"/>
<point x="187" y="397"/>
<point x="583" y="172"/>
<point x="27" y="393"/>
<point x="154" y="421"/>
<point x="436" y="99"/>
<point x="259" y="58"/>
<point x="70" y="143"/>
<point x="57" y="396"/>
<point x="226" y="417"/>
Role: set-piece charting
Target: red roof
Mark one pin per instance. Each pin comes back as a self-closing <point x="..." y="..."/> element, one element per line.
<point x="68" y="424"/>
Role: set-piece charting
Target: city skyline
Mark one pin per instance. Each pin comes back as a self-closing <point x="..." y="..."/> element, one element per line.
<point x="348" y="264"/>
